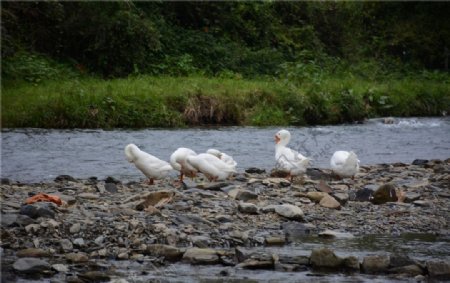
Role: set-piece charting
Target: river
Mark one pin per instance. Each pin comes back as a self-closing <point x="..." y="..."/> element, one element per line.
<point x="36" y="155"/>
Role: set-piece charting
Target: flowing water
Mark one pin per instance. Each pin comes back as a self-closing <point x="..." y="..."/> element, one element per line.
<point x="34" y="155"/>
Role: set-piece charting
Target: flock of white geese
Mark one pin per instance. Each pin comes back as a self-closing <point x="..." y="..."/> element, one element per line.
<point x="216" y="165"/>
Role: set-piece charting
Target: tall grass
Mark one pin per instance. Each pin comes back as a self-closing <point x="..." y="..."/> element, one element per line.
<point x="147" y="101"/>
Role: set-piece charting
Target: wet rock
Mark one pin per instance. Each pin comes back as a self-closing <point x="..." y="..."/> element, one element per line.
<point x="111" y="187"/>
<point x="439" y="269"/>
<point x="243" y="254"/>
<point x="351" y="263"/>
<point x="336" y="234"/>
<point x="113" y="180"/>
<point x="75" y="228"/>
<point x="364" y="194"/>
<point x="325" y="258"/>
<point x="295" y="230"/>
<point x="94" y="276"/>
<point x="39" y="209"/>
<point x="409" y="270"/>
<point x="294" y="258"/>
<point x="123" y="255"/>
<point x="201" y="256"/>
<point x="255" y="264"/>
<point x="289" y="211"/>
<point x="399" y="260"/>
<point x="420" y="162"/>
<point x="385" y="193"/>
<point x="33" y="252"/>
<point x="275" y="241"/>
<point x="329" y="202"/>
<point x="243" y="195"/>
<point x="375" y="264"/>
<point x="65" y="178"/>
<point x="342" y="198"/>
<point x="254" y="170"/>
<point x="76" y="257"/>
<point x="170" y="253"/>
<point x="248" y="208"/>
<point x="316" y="196"/>
<point x="30" y="265"/>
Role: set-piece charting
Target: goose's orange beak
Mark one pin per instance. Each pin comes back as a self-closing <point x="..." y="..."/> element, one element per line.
<point x="277" y="139"/>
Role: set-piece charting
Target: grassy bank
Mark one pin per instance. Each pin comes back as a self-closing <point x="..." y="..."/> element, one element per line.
<point x="182" y="101"/>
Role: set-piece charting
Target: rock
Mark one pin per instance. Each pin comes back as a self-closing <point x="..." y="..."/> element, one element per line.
<point x="317" y="174"/>
<point x="38" y="209"/>
<point x="30" y="265"/>
<point x="385" y="193"/>
<point x="289" y="211"/>
<point x="94" y="276"/>
<point x="253" y="170"/>
<point x="76" y="257"/>
<point x="215" y="186"/>
<point x="410" y="270"/>
<point x="399" y="260"/>
<point x="275" y="241"/>
<point x="439" y="269"/>
<point x="295" y="230"/>
<point x="60" y="268"/>
<point x="33" y="252"/>
<point x="243" y="195"/>
<point x="99" y="240"/>
<point x="323" y="187"/>
<point x="201" y="256"/>
<point x="9" y="220"/>
<point x="89" y="196"/>
<point x="325" y="258"/>
<point x="316" y="196"/>
<point x="66" y="245"/>
<point x="75" y="228"/>
<point x="168" y="252"/>
<point x="351" y="262"/>
<point x="255" y="264"/>
<point x="375" y="264"/>
<point x="411" y="197"/>
<point x="222" y="218"/>
<point x="33" y="228"/>
<point x="342" y="198"/>
<point x="336" y="234"/>
<point x="420" y="162"/>
<point x="79" y="242"/>
<point x="201" y="241"/>
<point x="364" y="194"/>
<point x="423" y="203"/>
<point x="65" y="178"/>
<point x="276" y="173"/>
<point x="113" y="180"/>
<point x="329" y="202"/>
<point x="123" y="256"/>
<point x="155" y="199"/>
<point x="268" y="208"/>
<point x="276" y="181"/>
<point x="248" y="208"/>
<point x="111" y="187"/>
<point x="5" y="181"/>
<point x="243" y="254"/>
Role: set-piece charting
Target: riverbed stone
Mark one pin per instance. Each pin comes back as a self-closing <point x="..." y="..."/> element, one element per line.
<point x="316" y="196"/>
<point x="38" y="209"/>
<point x="248" y="208"/>
<point x="60" y="267"/>
<point x="66" y="245"/>
<point x="33" y="252"/>
<point x="31" y="265"/>
<point x="296" y="230"/>
<point x="375" y="263"/>
<point x="438" y="269"/>
<point x="351" y="263"/>
<point x="411" y="197"/>
<point x="76" y="257"/>
<point x="289" y="211"/>
<point x="409" y="270"/>
<point x="342" y="198"/>
<point x="201" y="256"/>
<point x="329" y="202"/>
<point x="170" y="253"/>
<point x="325" y="258"/>
<point x="111" y="188"/>
<point x="336" y="234"/>
<point x="243" y="195"/>
<point x="75" y="228"/>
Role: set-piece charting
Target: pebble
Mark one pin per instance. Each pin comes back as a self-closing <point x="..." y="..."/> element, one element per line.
<point x="289" y="211"/>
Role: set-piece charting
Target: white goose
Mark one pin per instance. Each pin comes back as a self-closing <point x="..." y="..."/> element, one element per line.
<point x="289" y="160"/>
<point x="151" y="166"/>
<point x="344" y="163"/>
<point x="223" y="156"/>
<point x="211" y="166"/>
<point x="178" y="162"/>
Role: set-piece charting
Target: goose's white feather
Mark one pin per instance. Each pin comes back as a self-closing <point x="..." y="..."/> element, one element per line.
<point x="211" y="166"/>
<point x="178" y="161"/>
<point x="288" y="159"/>
<point x="223" y="156"/>
<point x="344" y="163"/>
<point x="149" y="165"/>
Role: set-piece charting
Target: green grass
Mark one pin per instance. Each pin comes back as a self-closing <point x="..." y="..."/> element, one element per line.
<point x="146" y="101"/>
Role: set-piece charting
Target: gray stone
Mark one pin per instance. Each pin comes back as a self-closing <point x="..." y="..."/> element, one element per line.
<point x="111" y="187"/>
<point x="79" y="242"/>
<point x="439" y="269"/>
<point x="38" y="209"/>
<point x="295" y="230"/>
<point x="201" y="256"/>
<point x="410" y="197"/>
<point x="66" y="245"/>
<point x="75" y="228"/>
<point x="243" y="195"/>
<point x="410" y="270"/>
<point x="342" y="198"/>
<point x="255" y="264"/>
<point x="375" y="264"/>
<point x="88" y="196"/>
<point x="268" y="208"/>
<point x="329" y="202"/>
<point x="168" y="252"/>
<point x="76" y="257"/>
<point x="65" y="178"/>
<point x="215" y="186"/>
<point x="351" y="262"/>
<point x="325" y="258"/>
<point x="30" y="265"/>
<point x="60" y="267"/>
<point x="289" y="211"/>
<point x="248" y="208"/>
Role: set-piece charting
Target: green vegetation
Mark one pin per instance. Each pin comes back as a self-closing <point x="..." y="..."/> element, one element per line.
<point x="175" y="64"/>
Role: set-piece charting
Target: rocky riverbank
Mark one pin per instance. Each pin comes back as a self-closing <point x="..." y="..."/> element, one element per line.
<point x="233" y="224"/>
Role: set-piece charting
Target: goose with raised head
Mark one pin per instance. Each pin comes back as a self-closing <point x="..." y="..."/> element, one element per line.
<point x="151" y="166"/>
<point x="289" y="160"/>
<point x="344" y="163"/>
<point x="211" y="166"/>
<point x="222" y="156"/>
<point x="178" y="162"/>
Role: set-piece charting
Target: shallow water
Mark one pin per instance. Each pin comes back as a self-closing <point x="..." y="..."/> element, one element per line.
<point x="34" y="155"/>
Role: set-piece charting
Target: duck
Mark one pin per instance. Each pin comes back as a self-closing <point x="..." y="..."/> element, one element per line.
<point x="151" y="166"/>
<point x="344" y="163"/>
<point x="178" y="162"/>
<point x="287" y="159"/>
<point x="211" y="166"/>
<point x="223" y="156"/>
